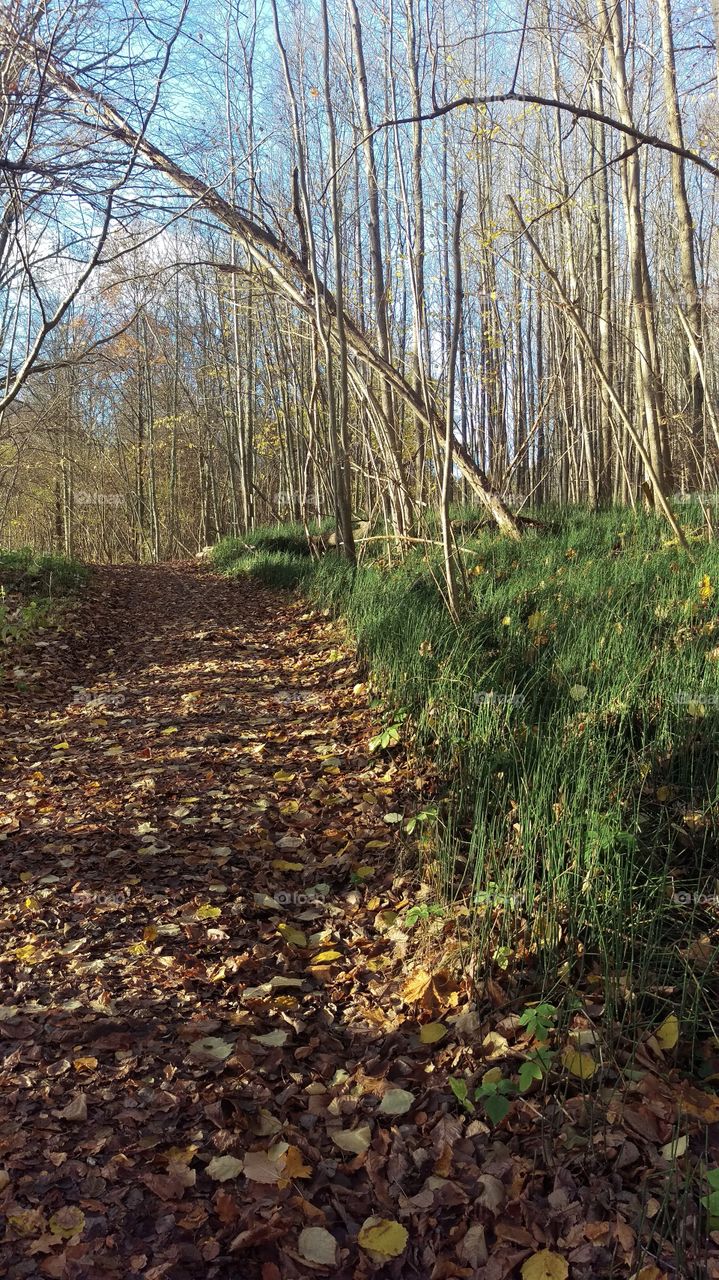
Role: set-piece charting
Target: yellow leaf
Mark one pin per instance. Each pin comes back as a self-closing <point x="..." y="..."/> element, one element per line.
<point x="579" y="1064"/>
<point x="432" y="1032"/>
<point x="493" y="1076"/>
<point x="667" y="1035"/>
<point x="283" y="776"/>
<point x="206" y="912"/>
<point x="61" y="746"/>
<point x="67" y="1222"/>
<point x="294" y="936"/>
<point x="545" y="1265"/>
<point x="280" y="864"/>
<point x="382" y="1238"/>
<point x="137" y="948"/>
<point x="364" y="872"/>
<point x="435" y="991"/>
<point x="536" y="621"/>
<point x="696" y="709"/>
<point x="84" y="1064"/>
<point x="32" y="904"/>
<point x="676" y="1149"/>
<point x="28" y="954"/>
<point x="181" y="1155"/>
<point x="326" y="957"/>
<point x="294" y="1166"/>
<point x="171" y="728"/>
<point x="26" y="1222"/>
<point x="149" y="934"/>
<point x="706" y="590"/>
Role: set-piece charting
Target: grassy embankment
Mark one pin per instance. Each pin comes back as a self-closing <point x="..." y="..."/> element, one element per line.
<point x="573" y="715"/>
<point x="31" y="584"/>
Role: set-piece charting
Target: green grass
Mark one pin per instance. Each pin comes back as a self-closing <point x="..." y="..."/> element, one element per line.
<point x="275" y="568"/>
<point x="30" y="583"/>
<point x="281" y="539"/>
<point x="573" y="715"/>
<point x="40" y="573"/>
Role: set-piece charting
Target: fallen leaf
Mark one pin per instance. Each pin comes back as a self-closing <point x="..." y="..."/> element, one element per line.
<point x="317" y="1245"/>
<point x="212" y="1048"/>
<point x="84" y="1064"/>
<point x="396" y="1102"/>
<point x="293" y="1165"/>
<point x="432" y="1032"/>
<point x="207" y="912"/>
<point x="579" y="1064"/>
<point x="294" y="936"/>
<point x="472" y="1248"/>
<point x="274" y="1039"/>
<point x="223" y="1168"/>
<point x="667" y="1035"/>
<point x="676" y="1149"/>
<point x="545" y="1265"/>
<point x="77" y="1109"/>
<point x="26" y="1222"/>
<point x="355" y="1140"/>
<point x="382" y="1238"/>
<point x="326" y="957"/>
<point x="265" y="1166"/>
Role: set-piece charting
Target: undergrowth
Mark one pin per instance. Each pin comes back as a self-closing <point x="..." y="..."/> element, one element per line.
<point x="30" y="583"/>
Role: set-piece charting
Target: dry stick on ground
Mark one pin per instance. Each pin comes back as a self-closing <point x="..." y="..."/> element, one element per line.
<point x="600" y="374"/>
<point x="273" y="255"/>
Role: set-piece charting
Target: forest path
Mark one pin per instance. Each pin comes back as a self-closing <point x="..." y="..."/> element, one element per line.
<point x="181" y="765"/>
<point x="223" y="1052"/>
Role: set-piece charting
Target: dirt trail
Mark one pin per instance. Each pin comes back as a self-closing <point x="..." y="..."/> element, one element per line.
<point x="190" y="755"/>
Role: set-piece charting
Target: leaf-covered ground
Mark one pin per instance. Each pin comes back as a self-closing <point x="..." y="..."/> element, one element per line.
<point x="211" y="1019"/>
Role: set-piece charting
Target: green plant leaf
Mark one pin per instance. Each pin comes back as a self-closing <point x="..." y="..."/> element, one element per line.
<point x="497" y="1106"/>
